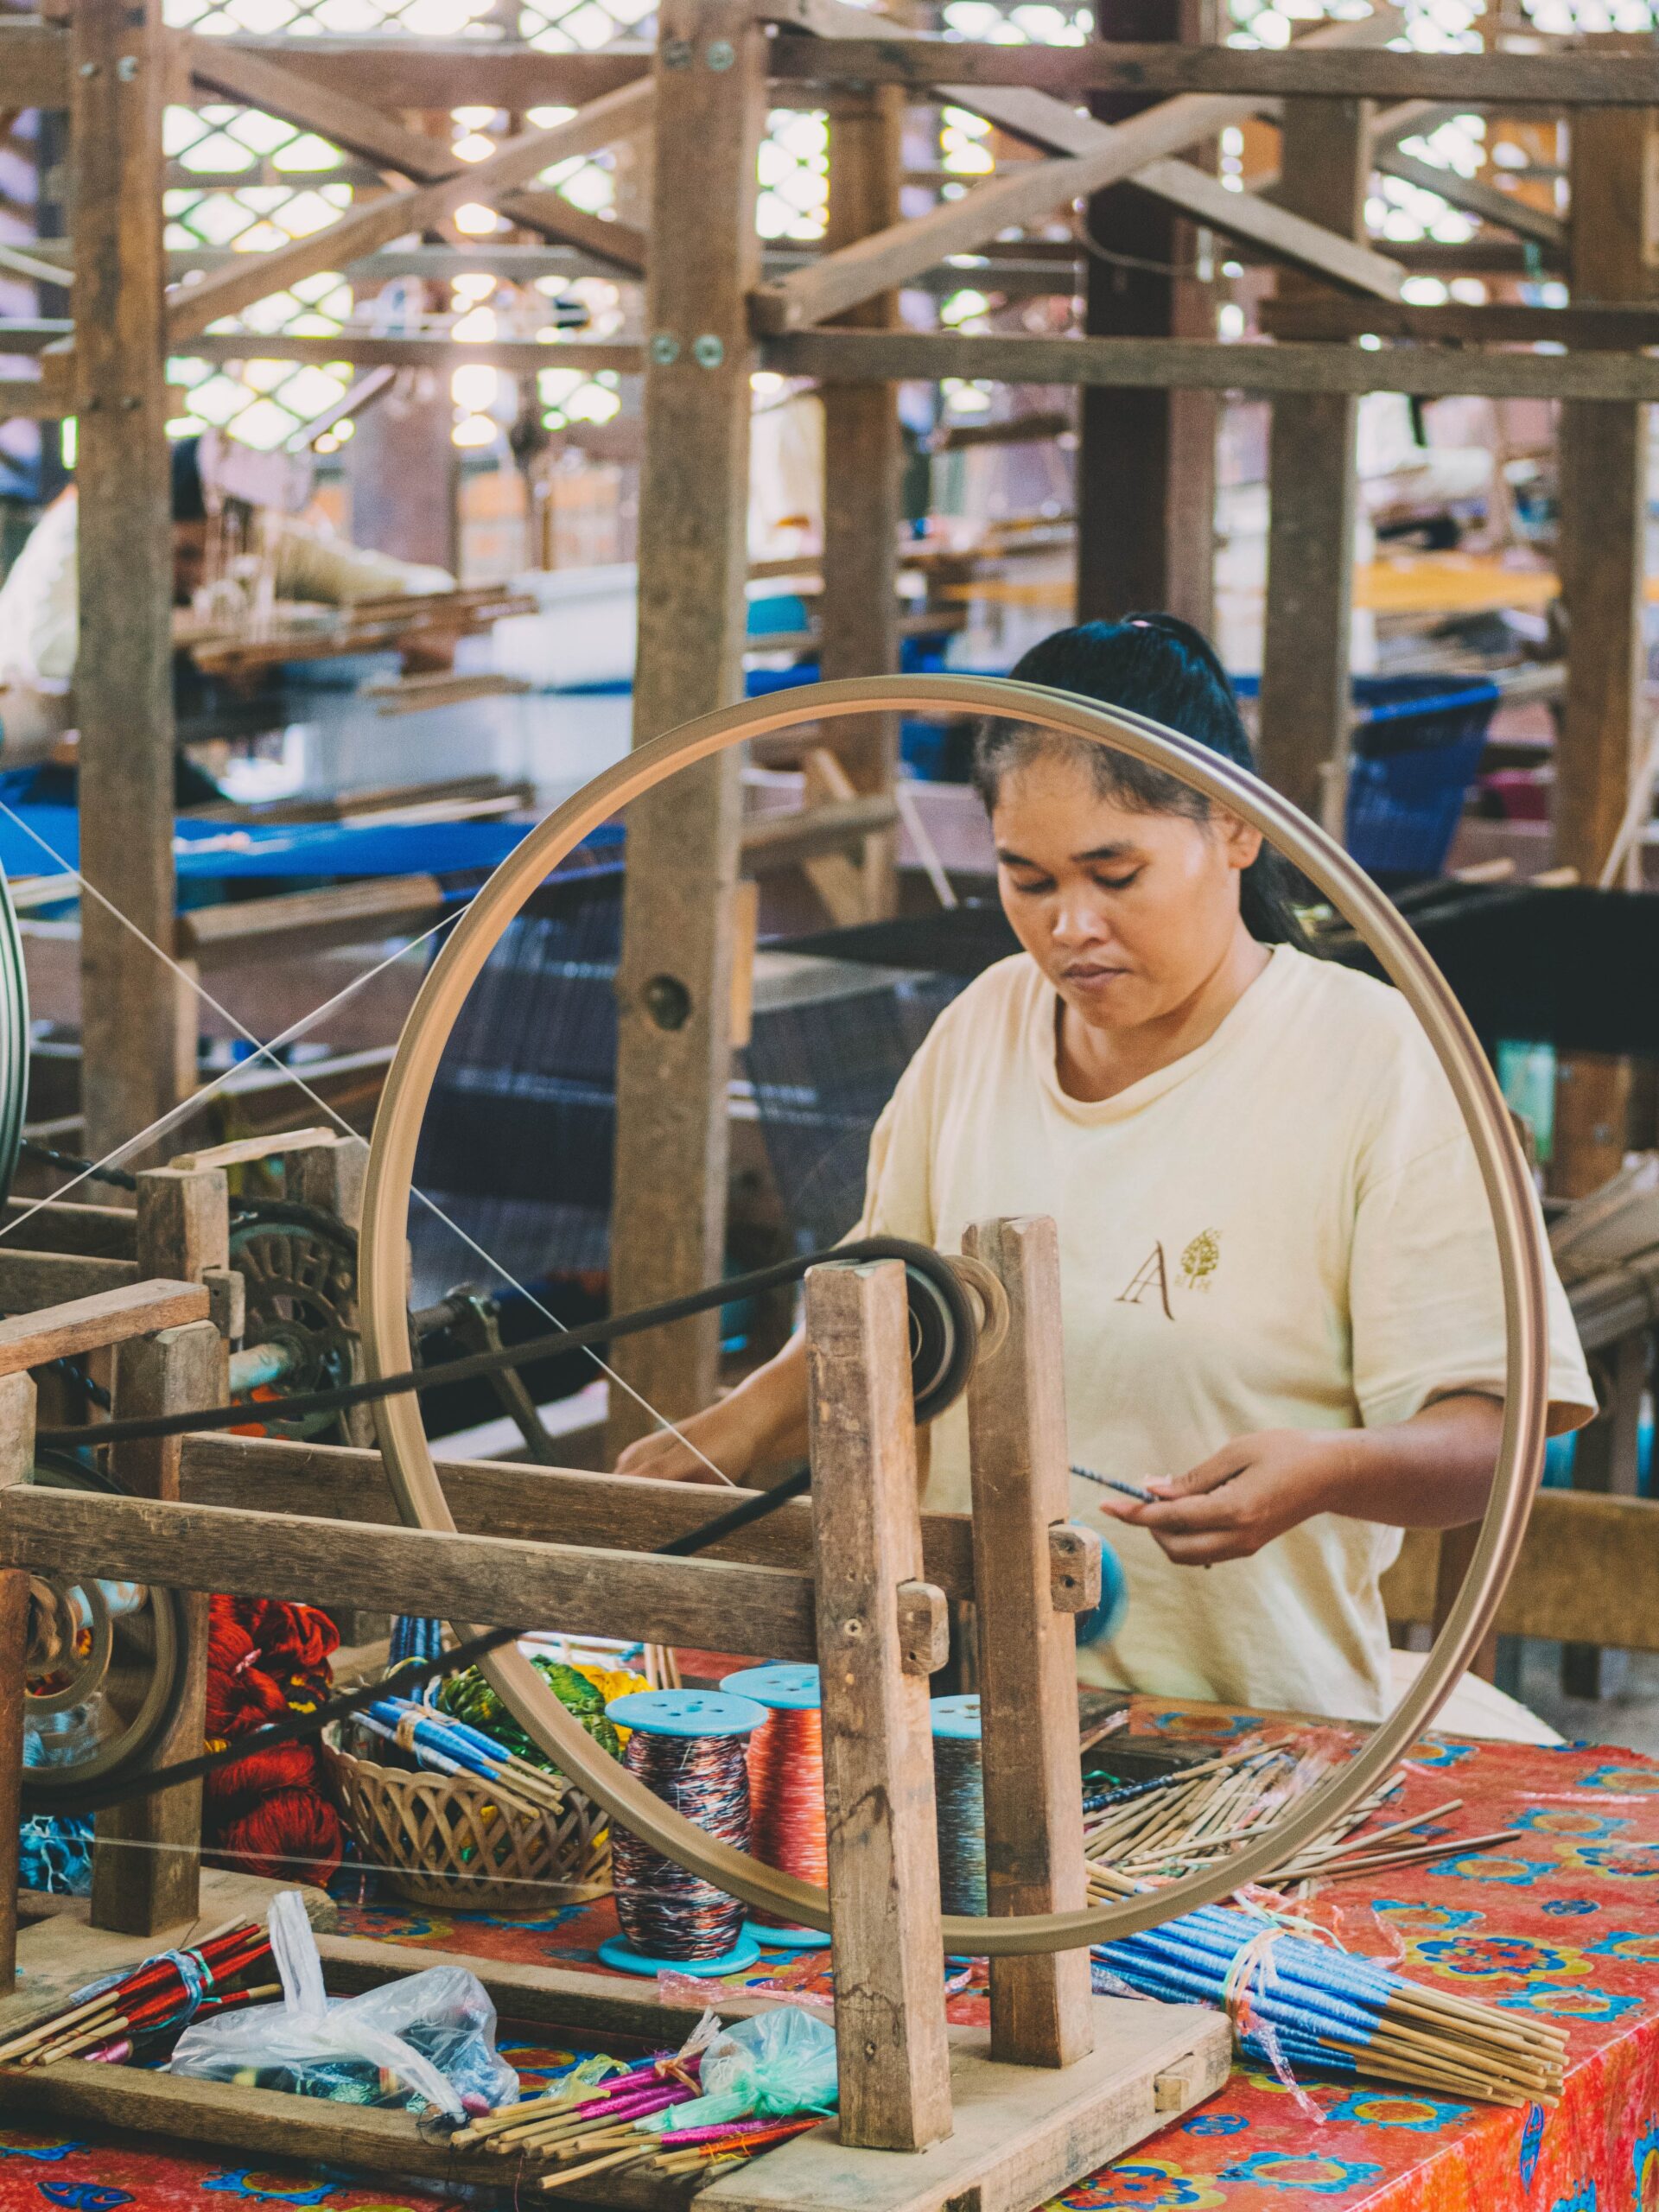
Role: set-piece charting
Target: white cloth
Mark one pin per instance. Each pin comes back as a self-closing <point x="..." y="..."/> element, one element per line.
<point x="40" y="600"/>
<point x="1285" y="1229"/>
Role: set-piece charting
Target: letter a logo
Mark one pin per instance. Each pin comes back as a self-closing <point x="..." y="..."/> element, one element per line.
<point x="1152" y="1273"/>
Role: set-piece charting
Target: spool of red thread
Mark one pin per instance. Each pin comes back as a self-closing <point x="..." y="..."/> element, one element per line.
<point x="787" y="1789"/>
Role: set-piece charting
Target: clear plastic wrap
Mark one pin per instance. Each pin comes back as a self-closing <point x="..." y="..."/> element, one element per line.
<point x="772" y="2065"/>
<point x="426" y="2041"/>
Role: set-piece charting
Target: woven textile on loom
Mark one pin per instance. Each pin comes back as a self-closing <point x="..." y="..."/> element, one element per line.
<point x="269" y="1813"/>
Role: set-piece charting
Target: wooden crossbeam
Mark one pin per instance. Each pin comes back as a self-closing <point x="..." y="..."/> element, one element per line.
<point x="396" y="74"/>
<point x="1589" y="1572"/>
<point x="1091" y="155"/>
<point x="1507" y="210"/>
<point x="1199" y="365"/>
<point x="258" y="80"/>
<point x="1611" y="327"/>
<point x="621" y="245"/>
<point x="367" y="350"/>
<point x="591" y="1591"/>
<point x="376" y="222"/>
<point x="253" y="74"/>
<point x="1464" y="81"/>
<point x="499" y="1498"/>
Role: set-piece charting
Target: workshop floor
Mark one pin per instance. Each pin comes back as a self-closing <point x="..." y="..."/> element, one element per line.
<point x="1626" y="1713"/>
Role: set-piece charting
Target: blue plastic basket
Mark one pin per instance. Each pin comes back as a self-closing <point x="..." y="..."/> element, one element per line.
<point x="1415" y="750"/>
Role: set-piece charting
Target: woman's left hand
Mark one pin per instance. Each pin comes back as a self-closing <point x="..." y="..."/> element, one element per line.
<point x="1242" y="1497"/>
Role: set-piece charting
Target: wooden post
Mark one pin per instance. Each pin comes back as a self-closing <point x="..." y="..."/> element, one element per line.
<point x="673" y="1063"/>
<point x="1041" y="2007"/>
<point x="1607" y="1460"/>
<point x="862" y="458"/>
<point x="330" y="1175"/>
<point x="878" y="1764"/>
<point x="17" y="1457"/>
<point x="1147" y="458"/>
<point x="1600" y="558"/>
<point x="184" y="1223"/>
<point x="146" y="1854"/>
<point x="1311" y="496"/>
<point x="137" y="1027"/>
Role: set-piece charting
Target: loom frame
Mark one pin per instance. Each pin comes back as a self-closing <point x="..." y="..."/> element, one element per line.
<point x="1065" y="2081"/>
<point x="1504" y="1173"/>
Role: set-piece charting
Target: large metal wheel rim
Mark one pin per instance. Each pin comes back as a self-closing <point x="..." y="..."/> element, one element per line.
<point x="383" y="1317"/>
<point x="14" y="1039"/>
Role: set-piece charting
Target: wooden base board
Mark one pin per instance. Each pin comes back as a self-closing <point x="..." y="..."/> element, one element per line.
<point x="60" y="1950"/>
<point x="1021" y="2134"/>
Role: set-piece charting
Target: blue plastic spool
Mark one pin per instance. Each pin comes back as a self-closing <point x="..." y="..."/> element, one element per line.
<point x="683" y="1714"/>
<point x="787" y="1687"/>
<point x="959" y="1803"/>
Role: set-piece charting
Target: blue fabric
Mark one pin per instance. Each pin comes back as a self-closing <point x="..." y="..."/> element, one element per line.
<point x="209" y="850"/>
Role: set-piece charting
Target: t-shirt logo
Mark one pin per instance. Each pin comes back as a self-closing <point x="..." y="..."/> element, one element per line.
<point x="1199" y="1264"/>
<point x="1200" y="1260"/>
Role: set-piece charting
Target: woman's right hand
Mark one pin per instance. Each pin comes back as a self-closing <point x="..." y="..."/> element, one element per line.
<point x="667" y="1455"/>
<point x="762" y="1420"/>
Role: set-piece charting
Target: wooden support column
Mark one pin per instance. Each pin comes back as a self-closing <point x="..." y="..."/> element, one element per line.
<point x="17" y="1457"/>
<point x="878" y="1762"/>
<point x="1601" y="557"/>
<point x="1147" y="458"/>
<point x="146" y="1854"/>
<point x="138" y="1025"/>
<point x="1041" y="2007"/>
<point x="1312" y="494"/>
<point x="673" y="1064"/>
<point x="863" y="460"/>
<point x="1607" y="1460"/>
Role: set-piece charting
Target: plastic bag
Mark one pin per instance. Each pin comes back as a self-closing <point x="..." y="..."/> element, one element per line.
<point x="776" y="2063"/>
<point x="425" y="2040"/>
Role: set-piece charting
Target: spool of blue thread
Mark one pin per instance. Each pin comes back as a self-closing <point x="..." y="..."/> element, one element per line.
<point x="788" y="1686"/>
<point x="662" y="1719"/>
<point x="1102" y="1622"/>
<point x="959" y="1803"/>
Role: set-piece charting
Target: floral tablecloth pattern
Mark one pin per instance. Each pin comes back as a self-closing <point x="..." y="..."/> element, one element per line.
<point x="1561" y="1923"/>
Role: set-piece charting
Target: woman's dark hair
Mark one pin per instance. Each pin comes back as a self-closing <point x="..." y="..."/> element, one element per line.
<point x="1157" y="665"/>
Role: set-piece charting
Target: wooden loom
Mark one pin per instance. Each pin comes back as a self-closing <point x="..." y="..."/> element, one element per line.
<point x="931" y="2117"/>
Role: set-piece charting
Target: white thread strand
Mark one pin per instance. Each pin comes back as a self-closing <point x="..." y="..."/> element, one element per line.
<point x="263" y="1050"/>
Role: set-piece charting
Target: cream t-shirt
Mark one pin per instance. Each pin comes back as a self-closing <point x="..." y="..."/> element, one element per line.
<point x="1285" y="1229"/>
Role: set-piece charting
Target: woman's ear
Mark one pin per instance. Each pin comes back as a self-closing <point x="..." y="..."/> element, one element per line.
<point x="1241" y="841"/>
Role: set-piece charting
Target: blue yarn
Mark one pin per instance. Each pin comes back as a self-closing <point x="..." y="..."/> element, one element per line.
<point x="55" y="1856"/>
<point x="414" y="1636"/>
<point x="1102" y="1622"/>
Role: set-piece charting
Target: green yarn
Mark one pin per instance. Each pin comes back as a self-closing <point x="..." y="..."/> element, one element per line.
<point x="468" y="1697"/>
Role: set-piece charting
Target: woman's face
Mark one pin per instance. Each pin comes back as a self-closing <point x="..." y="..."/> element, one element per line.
<point x="1128" y="913"/>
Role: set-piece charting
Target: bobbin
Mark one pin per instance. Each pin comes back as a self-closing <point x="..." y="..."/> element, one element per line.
<point x="791" y="1686"/>
<point x="687" y="1715"/>
<point x="1504" y="1173"/>
<point x="959" y="1799"/>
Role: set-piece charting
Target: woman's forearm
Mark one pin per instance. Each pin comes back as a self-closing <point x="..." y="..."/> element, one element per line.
<point x="771" y="1404"/>
<point x="1432" y="1472"/>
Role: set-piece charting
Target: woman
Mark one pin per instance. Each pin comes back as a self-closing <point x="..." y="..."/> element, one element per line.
<point x="1283" y="1316"/>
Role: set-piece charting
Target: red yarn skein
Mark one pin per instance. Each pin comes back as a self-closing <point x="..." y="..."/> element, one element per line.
<point x="268" y="1812"/>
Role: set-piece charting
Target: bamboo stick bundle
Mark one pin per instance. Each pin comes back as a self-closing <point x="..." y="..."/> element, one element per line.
<point x="154" y="1994"/>
<point x="1295" y="2001"/>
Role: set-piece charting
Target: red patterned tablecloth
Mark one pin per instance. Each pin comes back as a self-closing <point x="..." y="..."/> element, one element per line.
<point x="1563" y="1924"/>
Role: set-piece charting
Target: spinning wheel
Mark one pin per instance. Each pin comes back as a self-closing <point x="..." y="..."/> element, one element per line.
<point x="104" y="1673"/>
<point x="298" y="1265"/>
<point x="385" y="1329"/>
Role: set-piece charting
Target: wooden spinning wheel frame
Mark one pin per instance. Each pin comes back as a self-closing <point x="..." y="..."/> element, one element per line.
<point x="384" y="1316"/>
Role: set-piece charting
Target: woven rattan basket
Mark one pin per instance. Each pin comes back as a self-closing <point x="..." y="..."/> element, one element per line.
<point x="444" y="1841"/>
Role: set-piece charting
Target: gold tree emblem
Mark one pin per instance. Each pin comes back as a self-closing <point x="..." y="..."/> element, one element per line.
<point x="1200" y="1260"/>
